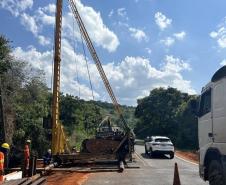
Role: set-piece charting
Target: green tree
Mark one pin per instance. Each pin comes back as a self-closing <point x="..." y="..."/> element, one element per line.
<point x="157" y="112"/>
<point x="187" y="136"/>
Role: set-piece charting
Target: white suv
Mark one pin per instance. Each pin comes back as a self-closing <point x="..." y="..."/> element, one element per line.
<point x="159" y="145"/>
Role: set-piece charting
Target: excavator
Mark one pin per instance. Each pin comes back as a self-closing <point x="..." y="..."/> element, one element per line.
<point x="108" y="144"/>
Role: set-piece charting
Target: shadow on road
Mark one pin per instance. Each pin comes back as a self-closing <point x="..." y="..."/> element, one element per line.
<point x="154" y="157"/>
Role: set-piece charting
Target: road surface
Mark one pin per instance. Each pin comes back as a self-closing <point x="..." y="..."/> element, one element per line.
<point x="157" y="171"/>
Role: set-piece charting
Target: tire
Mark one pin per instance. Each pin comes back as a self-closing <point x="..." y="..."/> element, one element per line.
<point x="216" y="173"/>
<point x="146" y="151"/>
<point x="171" y="155"/>
<point x="151" y="153"/>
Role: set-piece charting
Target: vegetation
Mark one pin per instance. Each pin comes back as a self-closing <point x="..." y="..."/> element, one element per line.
<point x="25" y="100"/>
<point x="81" y="118"/>
<point x="168" y="112"/>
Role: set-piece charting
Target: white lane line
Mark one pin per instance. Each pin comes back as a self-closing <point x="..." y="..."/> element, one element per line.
<point x="142" y="160"/>
<point x="186" y="160"/>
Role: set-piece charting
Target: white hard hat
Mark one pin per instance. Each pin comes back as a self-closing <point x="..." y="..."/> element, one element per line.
<point x="49" y="151"/>
<point x="28" y="141"/>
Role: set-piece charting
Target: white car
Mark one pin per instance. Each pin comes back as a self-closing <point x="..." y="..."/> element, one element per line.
<point x="159" y="145"/>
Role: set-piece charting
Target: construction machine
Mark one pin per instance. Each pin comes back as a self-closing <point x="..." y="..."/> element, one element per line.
<point x="107" y="144"/>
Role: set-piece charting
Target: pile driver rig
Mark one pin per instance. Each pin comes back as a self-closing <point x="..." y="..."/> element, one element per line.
<point x="120" y="146"/>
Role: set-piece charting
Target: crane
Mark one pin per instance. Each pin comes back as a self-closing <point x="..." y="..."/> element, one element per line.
<point x="59" y="141"/>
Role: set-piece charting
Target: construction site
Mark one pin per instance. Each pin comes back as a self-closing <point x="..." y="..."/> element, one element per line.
<point x="171" y="135"/>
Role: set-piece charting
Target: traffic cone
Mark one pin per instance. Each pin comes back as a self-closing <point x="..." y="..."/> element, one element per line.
<point x="176" y="179"/>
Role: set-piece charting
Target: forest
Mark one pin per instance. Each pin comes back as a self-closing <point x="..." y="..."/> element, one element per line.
<point x="26" y="101"/>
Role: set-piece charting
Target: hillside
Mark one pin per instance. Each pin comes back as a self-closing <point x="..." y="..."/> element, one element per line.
<point x="81" y="118"/>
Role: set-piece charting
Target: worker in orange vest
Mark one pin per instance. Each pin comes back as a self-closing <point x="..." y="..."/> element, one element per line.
<point x="3" y="152"/>
<point x="26" y="156"/>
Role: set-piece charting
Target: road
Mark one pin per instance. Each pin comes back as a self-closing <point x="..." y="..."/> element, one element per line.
<point x="157" y="171"/>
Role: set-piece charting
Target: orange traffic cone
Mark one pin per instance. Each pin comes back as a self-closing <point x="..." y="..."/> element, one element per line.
<point x="176" y="179"/>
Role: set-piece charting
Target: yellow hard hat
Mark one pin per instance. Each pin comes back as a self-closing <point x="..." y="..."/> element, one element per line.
<point x="5" y="145"/>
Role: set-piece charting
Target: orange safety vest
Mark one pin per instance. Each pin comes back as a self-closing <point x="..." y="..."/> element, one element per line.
<point x="1" y="166"/>
<point x="26" y="156"/>
<point x="26" y="152"/>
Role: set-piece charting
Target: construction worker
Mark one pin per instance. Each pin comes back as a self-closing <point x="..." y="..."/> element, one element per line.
<point x="4" y="150"/>
<point x="26" y="156"/>
<point x="47" y="157"/>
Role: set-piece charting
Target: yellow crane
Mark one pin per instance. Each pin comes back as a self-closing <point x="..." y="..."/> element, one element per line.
<point x="59" y="141"/>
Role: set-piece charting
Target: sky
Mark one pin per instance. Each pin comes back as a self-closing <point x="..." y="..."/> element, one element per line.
<point x="142" y="44"/>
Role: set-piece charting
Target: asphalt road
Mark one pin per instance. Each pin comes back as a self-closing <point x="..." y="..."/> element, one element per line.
<point x="157" y="171"/>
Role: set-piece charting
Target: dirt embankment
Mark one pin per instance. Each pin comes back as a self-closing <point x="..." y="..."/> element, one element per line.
<point x="67" y="178"/>
<point x="191" y="156"/>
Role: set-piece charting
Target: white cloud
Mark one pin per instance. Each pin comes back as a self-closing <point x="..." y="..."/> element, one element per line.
<point x="131" y="78"/>
<point x="175" y="64"/>
<point x="148" y="50"/>
<point x="138" y="34"/>
<point x="46" y="15"/>
<point x="169" y="41"/>
<point x="29" y="23"/>
<point x="97" y="30"/>
<point x="122" y="12"/>
<point x="220" y="34"/>
<point x="101" y="35"/>
<point x="180" y="36"/>
<point x="111" y="13"/>
<point x="16" y="7"/>
<point x="162" y="21"/>
<point x="43" y="61"/>
<point x="213" y="34"/>
<point x="223" y="62"/>
<point x="43" y="40"/>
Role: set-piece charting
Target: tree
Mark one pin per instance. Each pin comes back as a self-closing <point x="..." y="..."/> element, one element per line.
<point x="10" y="80"/>
<point x="5" y="57"/>
<point x="157" y="112"/>
<point x="187" y="136"/>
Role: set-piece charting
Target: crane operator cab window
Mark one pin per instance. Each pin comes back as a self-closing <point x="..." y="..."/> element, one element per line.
<point x="205" y="104"/>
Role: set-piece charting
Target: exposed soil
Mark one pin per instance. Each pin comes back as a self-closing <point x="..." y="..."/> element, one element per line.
<point x="191" y="156"/>
<point x="67" y="178"/>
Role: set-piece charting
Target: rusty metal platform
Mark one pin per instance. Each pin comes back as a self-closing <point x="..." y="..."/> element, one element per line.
<point x="27" y="181"/>
<point x="86" y="157"/>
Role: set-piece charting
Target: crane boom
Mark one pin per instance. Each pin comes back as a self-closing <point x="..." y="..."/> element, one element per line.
<point x="97" y="62"/>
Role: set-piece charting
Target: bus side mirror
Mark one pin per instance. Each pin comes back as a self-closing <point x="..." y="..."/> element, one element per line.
<point x="194" y="107"/>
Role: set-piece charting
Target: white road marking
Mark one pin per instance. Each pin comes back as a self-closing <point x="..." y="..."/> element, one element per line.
<point x="141" y="159"/>
<point x="186" y="160"/>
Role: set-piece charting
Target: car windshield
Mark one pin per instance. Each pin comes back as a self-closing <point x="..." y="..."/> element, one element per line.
<point x="161" y="140"/>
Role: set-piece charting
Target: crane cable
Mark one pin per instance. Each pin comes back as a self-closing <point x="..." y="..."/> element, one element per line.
<point x="76" y="65"/>
<point x="87" y="66"/>
<point x="97" y="62"/>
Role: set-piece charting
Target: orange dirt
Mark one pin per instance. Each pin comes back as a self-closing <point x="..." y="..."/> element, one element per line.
<point x="67" y="178"/>
<point x="191" y="156"/>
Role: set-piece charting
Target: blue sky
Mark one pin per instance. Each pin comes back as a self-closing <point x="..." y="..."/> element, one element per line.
<point x="142" y="44"/>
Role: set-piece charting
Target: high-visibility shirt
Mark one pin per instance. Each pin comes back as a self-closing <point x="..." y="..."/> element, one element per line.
<point x="26" y="152"/>
<point x="1" y="161"/>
